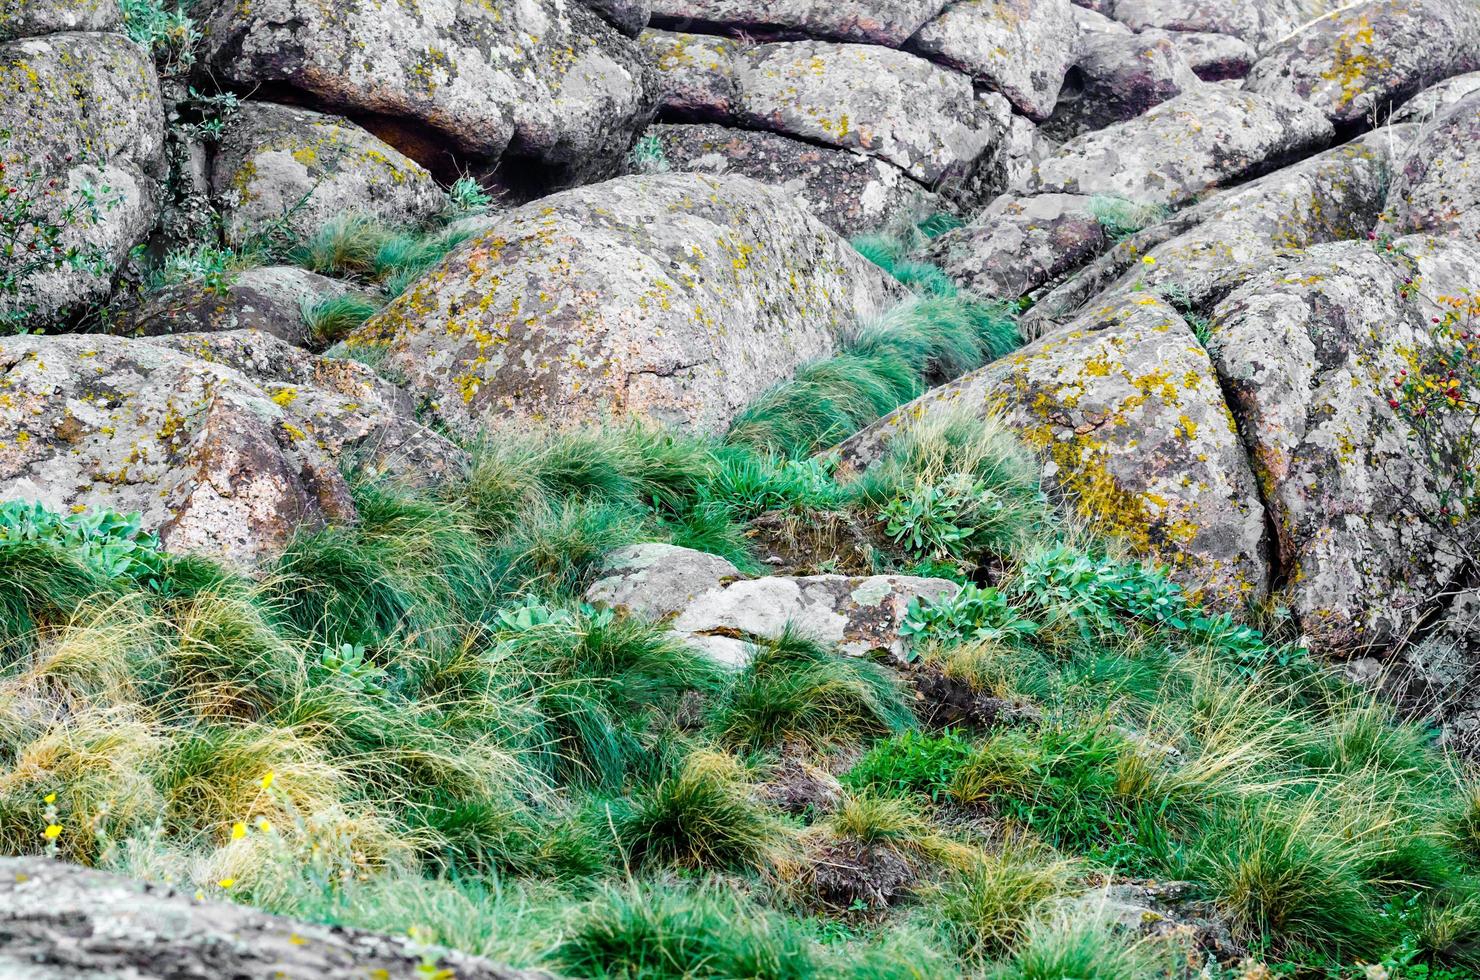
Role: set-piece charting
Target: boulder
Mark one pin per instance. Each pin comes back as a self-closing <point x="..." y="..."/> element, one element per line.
<point x="1094" y="22"/>
<point x="1367" y="58"/>
<point x="1117" y="77"/>
<point x="294" y="168"/>
<point x="546" y="80"/>
<point x="886" y="22"/>
<point x="27" y="18"/>
<point x="627" y="16"/>
<point x="1184" y="147"/>
<point x="1125" y="410"/>
<point x="722" y="614"/>
<point x="889" y="104"/>
<point x="678" y="297"/>
<point x="698" y="78"/>
<point x="1307" y="351"/>
<point x="1259" y="22"/>
<point x="64" y="922"/>
<point x="1438" y="186"/>
<point x="271" y="299"/>
<point x="1212" y="57"/>
<point x="848" y="191"/>
<point x="1020" y="150"/>
<point x="224" y="443"/>
<point x="1019" y="243"/>
<point x="82" y="116"/>
<point x="1021" y="48"/>
<point x="1432" y="101"/>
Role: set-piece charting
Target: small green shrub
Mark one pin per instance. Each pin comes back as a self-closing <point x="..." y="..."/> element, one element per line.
<point x="330" y="318"/>
<point x="467" y="197"/>
<point x="910" y="763"/>
<point x="988" y="907"/>
<point x="167" y="31"/>
<point x="972" y="614"/>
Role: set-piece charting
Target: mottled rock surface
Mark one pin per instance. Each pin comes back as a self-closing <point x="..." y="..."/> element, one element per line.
<point x="886" y="22"/>
<point x="1021" y="48"/>
<point x="1212" y="57"/>
<point x="657" y="581"/>
<point x="1259" y="22"/>
<point x="1434" y="100"/>
<point x="1019" y="243"/>
<point x="627" y="16"/>
<point x="677" y="297"/>
<point x="1438" y="186"/>
<point x="1117" y="77"/>
<point x="1124" y="408"/>
<point x="697" y="74"/>
<point x="224" y="443"/>
<point x="279" y="164"/>
<point x="63" y="922"/>
<point x="25" y="18"/>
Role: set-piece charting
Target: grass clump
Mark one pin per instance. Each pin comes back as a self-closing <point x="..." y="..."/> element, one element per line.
<point x="1121" y="217"/>
<point x="988" y="907"/>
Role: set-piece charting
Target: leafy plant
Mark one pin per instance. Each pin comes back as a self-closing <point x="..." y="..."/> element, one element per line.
<point x="348" y="663"/>
<point x="167" y="31"/>
<point x="467" y="197"/>
<point x="115" y="545"/>
<point x="974" y="613"/>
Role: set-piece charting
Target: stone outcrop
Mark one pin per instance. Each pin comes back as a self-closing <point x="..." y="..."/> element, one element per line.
<point x="1438" y="184"/>
<point x="1019" y="243"/>
<point x="885" y="22"/>
<point x="698" y="75"/>
<point x="26" y="18"/>
<point x="1212" y="57"/>
<point x="1433" y="101"/>
<point x="677" y="297"/>
<point x="1117" y="77"/>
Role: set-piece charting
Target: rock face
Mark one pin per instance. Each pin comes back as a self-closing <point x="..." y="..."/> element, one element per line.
<point x="886" y="22"/>
<point x="63" y="921"/>
<point x="678" y="297"/>
<point x="888" y="104"/>
<point x="81" y="110"/>
<point x="1184" y="147"/>
<point x="1438" y="187"/>
<point x="1021" y="48"/>
<point x="1019" y="243"/>
<point x="1432" y="102"/>
<point x="847" y="191"/>
<point x="1307" y="351"/>
<point x="26" y="18"/>
<point x="698" y="75"/>
<point x="225" y="443"/>
<point x="547" y="80"/>
<point x="1118" y="77"/>
<point x="1259" y="22"/>
<point x="1368" y="57"/>
<point x="1125" y="410"/>
<point x="1212" y="57"/>
<point x="721" y="613"/>
<point x="281" y="164"/>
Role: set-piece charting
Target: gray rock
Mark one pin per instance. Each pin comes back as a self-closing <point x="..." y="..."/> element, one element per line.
<point x="697" y="74"/>
<point x="848" y="191"/>
<point x="1435" y="99"/>
<point x="27" y="18"/>
<point x="887" y="22"/>
<point x="888" y="104"/>
<point x="1438" y="186"/>
<point x="627" y="16"/>
<point x="224" y="443"/>
<point x="1091" y="21"/>
<point x="63" y="922"/>
<point x="677" y="297"/>
<point x="278" y="164"/>
<point x="656" y="581"/>
<point x="1369" y="57"/>
<point x="1118" y="77"/>
<point x="1021" y="48"/>
<point x="1259" y="22"/>
<point x="1019" y="243"/>
<point x="547" y="80"/>
<point x="1124" y="409"/>
<point x="1212" y="57"/>
<point x="1022" y="147"/>
<point x="1307" y="351"/>
<point x="1182" y="148"/>
<point x="82" y="110"/>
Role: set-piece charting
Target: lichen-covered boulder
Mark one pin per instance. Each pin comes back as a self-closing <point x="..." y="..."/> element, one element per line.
<point x="918" y="116"/>
<point x="1118" y="77"/>
<point x="656" y="581"/>
<point x="1191" y="144"/>
<point x="1021" y="48"/>
<point x="547" y="80"/>
<point x="1124" y="408"/>
<point x="1212" y="57"/>
<point x="627" y="16"/>
<point x="1438" y="186"/>
<point x="1434" y="100"/>
<point x="1368" y="57"/>
<point x="284" y="165"/>
<point x="65" y="922"/>
<point x="697" y="75"/>
<point x="225" y="443"/>
<point x="847" y="191"/>
<point x="1308" y="351"/>
<point x="272" y="299"/>
<point x="1019" y="243"/>
<point x="1259" y="22"/>
<point x="27" y="18"/>
<point x="83" y="118"/>
<point x="677" y="297"/>
<point x="886" y="22"/>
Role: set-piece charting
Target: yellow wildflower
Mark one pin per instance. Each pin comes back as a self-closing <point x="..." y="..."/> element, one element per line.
<point x="263" y="824"/>
<point x="267" y="780"/>
<point x="1149" y="260"/>
<point x="53" y="831"/>
<point x="226" y="882"/>
<point x="49" y="798"/>
<point x="238" y="830"/>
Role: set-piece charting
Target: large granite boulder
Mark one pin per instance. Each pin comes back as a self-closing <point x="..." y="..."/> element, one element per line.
<point x="279" y="165"/>
<point x="698" y="76"/>
<point x="627" y="16"/>
<point x="1212" y="57"/>
<point x="1019" y="243"/>
<point x="1434" y="100"/>
<point x="848" y="191"/>
<point x="64" y="922"/>
<point x="1438" y="186"/>
<point x="1308" y="351"/>
<point x="658" y="581"/>
<point x="1182" y="148"/>
<point x="80" y="115"/>
<point x="1117" y="77"/>
<point x="886" y="22"/>
<point x="27" y="18"/>
<point x="1368" y="57"/>
<point x="1021" y="48"/>
<point x="678" y="297"/>
<point x="547" y="80"/>
<point x="918" y="116"/>
<point x="1124" y="408"/>
<point x="1259" y="22"/>
<point x="225" y="443"/>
